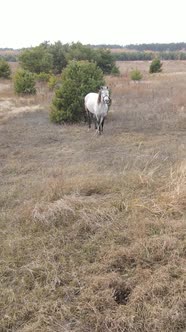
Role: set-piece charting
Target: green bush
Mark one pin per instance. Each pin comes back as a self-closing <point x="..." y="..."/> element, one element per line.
<point x="24" y="82"/>
<point x="54" y="57"/>
<point x="78" y="79"/>
<point x="105" y="60"/>
<point x="5" y="70"/>
<point x="36" y="60"/>
<point x="115" y="70"/>
<point x="52" y="82"/>
<point x="102" y="57"/>
<point x="136" y="75"/>
<point x="59" y="60"/>
<point x="44" y="58"/>
<point x="155" y="66"/>
<point x="42" y="77"/>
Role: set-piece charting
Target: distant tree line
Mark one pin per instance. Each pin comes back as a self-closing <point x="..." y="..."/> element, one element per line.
<point x="133" y="56"/>
<point x="8" y="54"/>
<point x="56" y="56"/>
<point x="108" y="46"/>
<point x="157" y="47"/>
<point x="137" y="56"/>
<point x="6" y="49"/>
<point x="8" y="57"/>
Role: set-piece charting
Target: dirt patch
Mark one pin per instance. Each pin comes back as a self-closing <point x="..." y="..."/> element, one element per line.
<point x="9" y="108"/>
<point x="4" y="86"/>
<point x="6" y="104"/>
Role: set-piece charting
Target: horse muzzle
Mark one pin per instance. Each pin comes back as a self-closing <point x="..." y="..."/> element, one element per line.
<point x="107" y="101"/>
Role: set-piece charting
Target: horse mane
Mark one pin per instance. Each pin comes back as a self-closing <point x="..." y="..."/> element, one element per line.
<point x="99" y="97"/>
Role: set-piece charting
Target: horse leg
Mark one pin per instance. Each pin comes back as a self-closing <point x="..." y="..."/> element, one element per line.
<point x="95" y="122"/>
<point x="99" y="126"/>
<point x="102" y="123"/>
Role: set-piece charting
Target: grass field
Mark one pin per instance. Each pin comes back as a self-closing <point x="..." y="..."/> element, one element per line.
<point x="92" y="228"/>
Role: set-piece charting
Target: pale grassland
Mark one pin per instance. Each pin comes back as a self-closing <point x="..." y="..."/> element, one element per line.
<point x="93" y="228"/>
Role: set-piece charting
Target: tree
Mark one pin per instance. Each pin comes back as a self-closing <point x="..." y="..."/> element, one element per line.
<point x="78" y="78"/>
<point x="5" y="70"/>
<point x="24" y="82"/>
<point x="54" y="57"/>
<point x="105" y="60"/>
<point x="102" y="57"/>
<point x="78" y="51"/>
<point x="37" y="59"/>
<point x="155" y="66"/>
<point x="59" y="60"/>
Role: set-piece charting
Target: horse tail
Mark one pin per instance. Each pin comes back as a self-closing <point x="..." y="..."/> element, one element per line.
<point x="99" y="97"/>
<point x="88" y="117"/>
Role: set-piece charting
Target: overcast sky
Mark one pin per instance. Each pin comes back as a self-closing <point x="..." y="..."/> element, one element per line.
<point x="26" y="23"/>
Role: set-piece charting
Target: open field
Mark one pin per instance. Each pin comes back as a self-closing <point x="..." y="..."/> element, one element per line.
<point x="93" y="228"/>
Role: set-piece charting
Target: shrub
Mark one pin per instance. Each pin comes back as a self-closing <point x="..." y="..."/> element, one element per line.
<point x="155" y="66"/>
<point x="102" y="57"/>
<point x="24" y="82"/>
<point x="36" y="60"/>
<point x="52" y="82"/>
<point x="5" y="70"/>
<point x="136" y="75"/>
<point x="42" y="77"/>
<point x="115" y="70"/>
<point x="59" y="60"/>
<point x="78" y="78"/>
<point x="105" y="61"/>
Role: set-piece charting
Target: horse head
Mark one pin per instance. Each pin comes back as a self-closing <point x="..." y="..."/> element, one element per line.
<point x="104" y="95"/>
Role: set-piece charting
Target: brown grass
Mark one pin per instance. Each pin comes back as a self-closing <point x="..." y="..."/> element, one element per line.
<point x="93" y="228"/>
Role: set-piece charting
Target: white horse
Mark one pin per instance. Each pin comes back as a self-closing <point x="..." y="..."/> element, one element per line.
<point x="97" y="106"/>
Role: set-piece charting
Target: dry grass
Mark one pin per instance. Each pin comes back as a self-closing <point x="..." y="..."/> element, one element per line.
<point x="93" y="228"/>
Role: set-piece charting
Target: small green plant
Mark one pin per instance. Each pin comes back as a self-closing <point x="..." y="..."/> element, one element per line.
<point x="24" y="82"/>
<point x="5" y="70"/>
<point x="136" y="75"/>
<point x="156" y="66"/>
<point x="52" y="82"/>
<point x="115" y="71"/>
